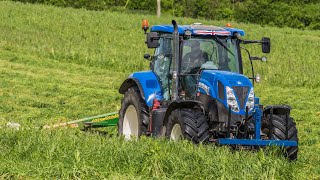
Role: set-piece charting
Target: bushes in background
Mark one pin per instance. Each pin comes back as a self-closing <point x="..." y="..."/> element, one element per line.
<point x="302" y="14"/>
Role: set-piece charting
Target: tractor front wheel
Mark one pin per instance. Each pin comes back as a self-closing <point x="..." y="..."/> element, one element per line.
<point x="133" y="115"/>
<point x="281" y="131"/>
<point x="188" y="124"/>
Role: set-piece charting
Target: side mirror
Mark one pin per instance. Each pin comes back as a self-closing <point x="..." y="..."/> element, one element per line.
<point x="265" y="45"/>
<point x="147" y="57"/>
<point x="152" y="40"/>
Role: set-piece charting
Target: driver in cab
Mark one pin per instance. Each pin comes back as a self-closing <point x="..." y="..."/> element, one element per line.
<point x="196" y="59"/>
<point x="192" y="62"/>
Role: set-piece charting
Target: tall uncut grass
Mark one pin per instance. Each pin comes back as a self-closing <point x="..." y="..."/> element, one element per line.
<point x="59" y="64"/>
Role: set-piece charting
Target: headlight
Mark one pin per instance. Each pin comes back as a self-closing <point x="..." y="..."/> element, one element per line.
<point x="231" y="99"/>
<point x="250" y="101"/>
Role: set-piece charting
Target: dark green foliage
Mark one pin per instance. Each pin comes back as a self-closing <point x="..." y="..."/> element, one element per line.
<point x="293" y="13"/>
<point x="279" y="13"/>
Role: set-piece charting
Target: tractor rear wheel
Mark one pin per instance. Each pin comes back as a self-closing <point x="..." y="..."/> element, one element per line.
<point x="133" y="115"/>
<point x="281" y="132"/>
<point x="188" y="124"/>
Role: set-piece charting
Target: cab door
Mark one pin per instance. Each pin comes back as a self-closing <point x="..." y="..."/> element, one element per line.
<point x="162" y="61"/>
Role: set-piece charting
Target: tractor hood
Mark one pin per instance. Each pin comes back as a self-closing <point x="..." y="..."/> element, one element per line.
<point x="226" y="77"/>
<point x="225" y="86"/>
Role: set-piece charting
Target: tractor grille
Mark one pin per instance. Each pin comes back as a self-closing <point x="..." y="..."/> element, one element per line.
<point x="241" y="93"/>
<point x="221" y="90"/>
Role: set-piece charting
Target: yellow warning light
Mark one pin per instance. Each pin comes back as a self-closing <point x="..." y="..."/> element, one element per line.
<point x="228" y="25"/>
<point x="145" y="24"/>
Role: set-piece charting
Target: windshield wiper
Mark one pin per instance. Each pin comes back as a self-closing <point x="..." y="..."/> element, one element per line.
<point x="221" y="43"/>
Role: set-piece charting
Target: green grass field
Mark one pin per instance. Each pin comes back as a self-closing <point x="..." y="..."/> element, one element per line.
<point x="60" y="64"/>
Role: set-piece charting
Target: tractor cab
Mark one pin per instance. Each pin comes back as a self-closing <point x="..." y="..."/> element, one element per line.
<point x="201" y="47"/>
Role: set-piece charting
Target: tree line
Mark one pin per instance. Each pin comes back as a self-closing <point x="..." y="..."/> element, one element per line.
<point x="302" y="14"/>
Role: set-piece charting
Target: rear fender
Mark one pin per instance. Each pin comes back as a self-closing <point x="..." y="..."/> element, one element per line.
<point x="147" y="83"/>
<point x="128" y="83"/>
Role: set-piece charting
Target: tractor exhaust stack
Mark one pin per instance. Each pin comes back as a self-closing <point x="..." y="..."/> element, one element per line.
<point x="175" y="61"/>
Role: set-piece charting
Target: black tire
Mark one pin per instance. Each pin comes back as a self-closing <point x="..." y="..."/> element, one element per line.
<point x="132" y="97"/>
<point x="193" y="123"/>
<point x="279" y="132"/>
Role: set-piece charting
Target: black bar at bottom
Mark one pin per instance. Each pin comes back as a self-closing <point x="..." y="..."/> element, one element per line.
<point x="270" y="122"/>
<point x="229" y="122"/>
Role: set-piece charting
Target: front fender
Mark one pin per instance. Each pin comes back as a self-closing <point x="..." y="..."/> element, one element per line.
<point x="181" y="104"/>
<point x="277" y="109"/>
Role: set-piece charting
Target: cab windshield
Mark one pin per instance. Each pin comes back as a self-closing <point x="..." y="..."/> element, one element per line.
<point x="197" y="53"/>
<point x="209" y="53"/>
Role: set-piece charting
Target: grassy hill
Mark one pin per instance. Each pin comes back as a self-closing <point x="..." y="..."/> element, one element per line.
<point x="59" y="64"/>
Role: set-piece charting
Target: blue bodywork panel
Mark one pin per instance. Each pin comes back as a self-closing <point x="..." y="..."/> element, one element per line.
<point x="257" y="117"/>
<point x="256" y="142"/>
<point x="208" y="84"/>
<point x="202" y="30"/>
<point x="149" y="84"/>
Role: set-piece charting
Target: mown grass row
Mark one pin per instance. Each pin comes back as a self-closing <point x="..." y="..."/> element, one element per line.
<point x="59" y="64"/>
<point x="73" y="154"/>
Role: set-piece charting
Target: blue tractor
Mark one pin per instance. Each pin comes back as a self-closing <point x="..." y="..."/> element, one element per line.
<point x="196" y="90"/>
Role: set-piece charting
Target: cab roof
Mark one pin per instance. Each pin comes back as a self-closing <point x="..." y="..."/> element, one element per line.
<point x="199" y="29"/>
